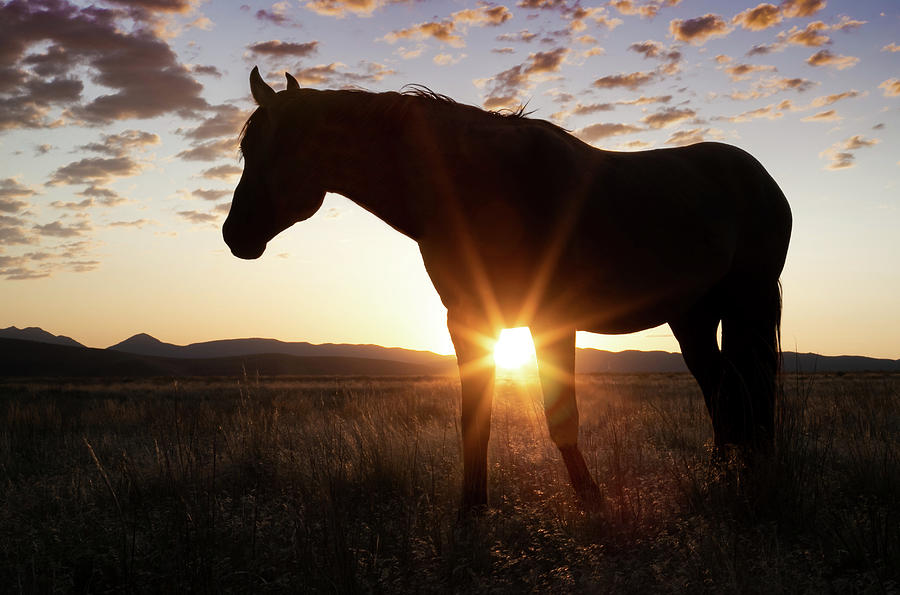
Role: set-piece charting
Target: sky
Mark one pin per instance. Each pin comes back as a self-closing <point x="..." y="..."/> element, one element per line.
<point x="118" y="151"/>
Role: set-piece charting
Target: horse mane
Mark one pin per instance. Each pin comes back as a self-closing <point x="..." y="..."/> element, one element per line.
<point x="392" y="100"/>
<point x="418" y="90"/>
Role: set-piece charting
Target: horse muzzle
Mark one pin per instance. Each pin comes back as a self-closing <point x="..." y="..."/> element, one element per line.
<point x="240" y="246"/>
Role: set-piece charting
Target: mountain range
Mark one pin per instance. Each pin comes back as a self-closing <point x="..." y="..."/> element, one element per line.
<point x="35" y="352"/>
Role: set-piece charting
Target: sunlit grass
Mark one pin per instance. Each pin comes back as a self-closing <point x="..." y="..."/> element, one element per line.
<point x="352" y="485"/>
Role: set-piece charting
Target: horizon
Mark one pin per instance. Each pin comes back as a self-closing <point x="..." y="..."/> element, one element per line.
<point x="120" y="129"/>
<point x="518" y="360"/>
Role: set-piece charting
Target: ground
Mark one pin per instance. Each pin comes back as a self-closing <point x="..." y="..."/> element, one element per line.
<point x="352" y="485"/>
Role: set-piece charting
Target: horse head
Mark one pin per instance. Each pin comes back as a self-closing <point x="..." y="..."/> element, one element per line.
<point x="275" y="190"/>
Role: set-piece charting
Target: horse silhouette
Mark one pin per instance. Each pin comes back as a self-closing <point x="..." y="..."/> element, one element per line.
<point x="521" y="224"/>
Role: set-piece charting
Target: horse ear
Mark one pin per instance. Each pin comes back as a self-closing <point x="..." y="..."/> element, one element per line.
<point x="291" y="81"/>
<point x="262" y="93"/>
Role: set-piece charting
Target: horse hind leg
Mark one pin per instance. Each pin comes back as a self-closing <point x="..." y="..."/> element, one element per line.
<point x="556" y="366"/>
<point x="696" y="335"/>
<point x="750" y="349"/>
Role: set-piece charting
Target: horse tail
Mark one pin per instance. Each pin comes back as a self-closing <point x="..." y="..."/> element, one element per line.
<point x="778" y="306"/>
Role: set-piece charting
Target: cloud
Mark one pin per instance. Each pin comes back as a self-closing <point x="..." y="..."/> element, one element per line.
<point x="447" y="59"/>
<point x="632" y="80"/>
<point x="841" y="154"/>
<point x="578" y="15"/>
<point x="668" y="117"/>
<point x="119" y="145"/>
<point x="847" y="24"/>
<point x="163" y="6"/>
<point x="829" y="99"/>
<point x="12" y="231"/>
<point x="542" y="4"/>
<point x="504" y="88"/>
<point x="891" y="87"/>
<point x="523" y="36"/>
<point x="210" y="151"/>
<point x="443" y="31"/>
<point x="198" y="217"/>
<point x="278" y="15"/>
<point x="775" y="85"/>
<point x="211" y="195"/>
<point x="55" y="61"/>
<point x="206" y="69"/>
<point x="891" y="47"/>
<point x="740" y="72"/>
<point x="646" y="100"/>
<point x="692" y="136"/>
<point x="583" y="110"/>
<point x="226" y="120"/>
<point x="699" y="29"/>
<point x="333" y="74"/>
<point x="484" y="16"/>
<point x="801" y="8"/>
<point x="69" y="256"/>
<point x="762" y="49"/>
<point x="10" y="193"/>
<point x="450" y="30"/>
<point x="105" y="196"/>
<point x="138" y="223"/>
<point x="94" y="170"/>
<point x="281" y="49"/>
<point x="91" y="37"/>
<point x="647" y="10"/>
<point x="58" y="229"/>
<point x="826" y="116"/>
<point x="342" y="8"/>
<point x="94" y="196"/>
<point x="222" y="172"/>
<point x="811" y="36"/>
<point x="649" y="48"/>
<point x="655" y="49"/>
<point x="771" y="112"/>
<point x="827" y="58"/>
<point x="73" y="206"/>
<point x="759" y="18"/>
<point x="598" y="131"/>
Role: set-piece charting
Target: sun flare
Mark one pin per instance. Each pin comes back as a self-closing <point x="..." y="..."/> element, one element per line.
<point x="514" y="348"/>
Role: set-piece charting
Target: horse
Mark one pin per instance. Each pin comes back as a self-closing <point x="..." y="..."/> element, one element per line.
<point x="519" y="223"/>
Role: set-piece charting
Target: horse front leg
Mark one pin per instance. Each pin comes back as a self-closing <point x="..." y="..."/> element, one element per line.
<point x="556" y="366"/>
<point x="474" y="354"/>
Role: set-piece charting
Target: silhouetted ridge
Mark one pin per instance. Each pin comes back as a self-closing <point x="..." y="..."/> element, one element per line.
<point x="31" y="358"/>
<point x="33" y="333"/>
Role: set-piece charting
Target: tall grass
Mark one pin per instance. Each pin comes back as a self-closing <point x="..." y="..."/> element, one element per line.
<point x="351" y="485"/>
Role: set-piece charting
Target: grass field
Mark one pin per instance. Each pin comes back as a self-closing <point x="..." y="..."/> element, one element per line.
<point x="351" y="485"/>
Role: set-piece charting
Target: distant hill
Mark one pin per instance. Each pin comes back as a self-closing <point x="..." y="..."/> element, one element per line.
<point x="589" y="361"/>
<point x="33" y="333"/>
<point x="43" y="353"/>
<point x="31" y="358"/>
<point x="144" y="344"/>
<point x="813" y="362"/>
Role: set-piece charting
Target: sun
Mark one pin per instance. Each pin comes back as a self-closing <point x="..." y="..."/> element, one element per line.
<point x="514" y="348"/>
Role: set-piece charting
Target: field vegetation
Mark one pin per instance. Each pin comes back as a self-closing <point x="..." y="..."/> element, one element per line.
<point x="342" y="485"/>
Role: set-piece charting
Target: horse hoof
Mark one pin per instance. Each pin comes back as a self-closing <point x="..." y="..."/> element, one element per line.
<point x="590" y="498"/>
<point x="473" y="509"/>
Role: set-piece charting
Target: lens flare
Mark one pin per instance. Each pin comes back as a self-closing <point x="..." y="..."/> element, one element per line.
<point x="514" y="348"/>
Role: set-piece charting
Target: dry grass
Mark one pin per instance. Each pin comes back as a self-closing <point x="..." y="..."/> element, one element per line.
<point x="351" y="485"/>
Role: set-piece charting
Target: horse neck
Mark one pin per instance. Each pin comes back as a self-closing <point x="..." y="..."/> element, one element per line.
<point x="368" y="160"/>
